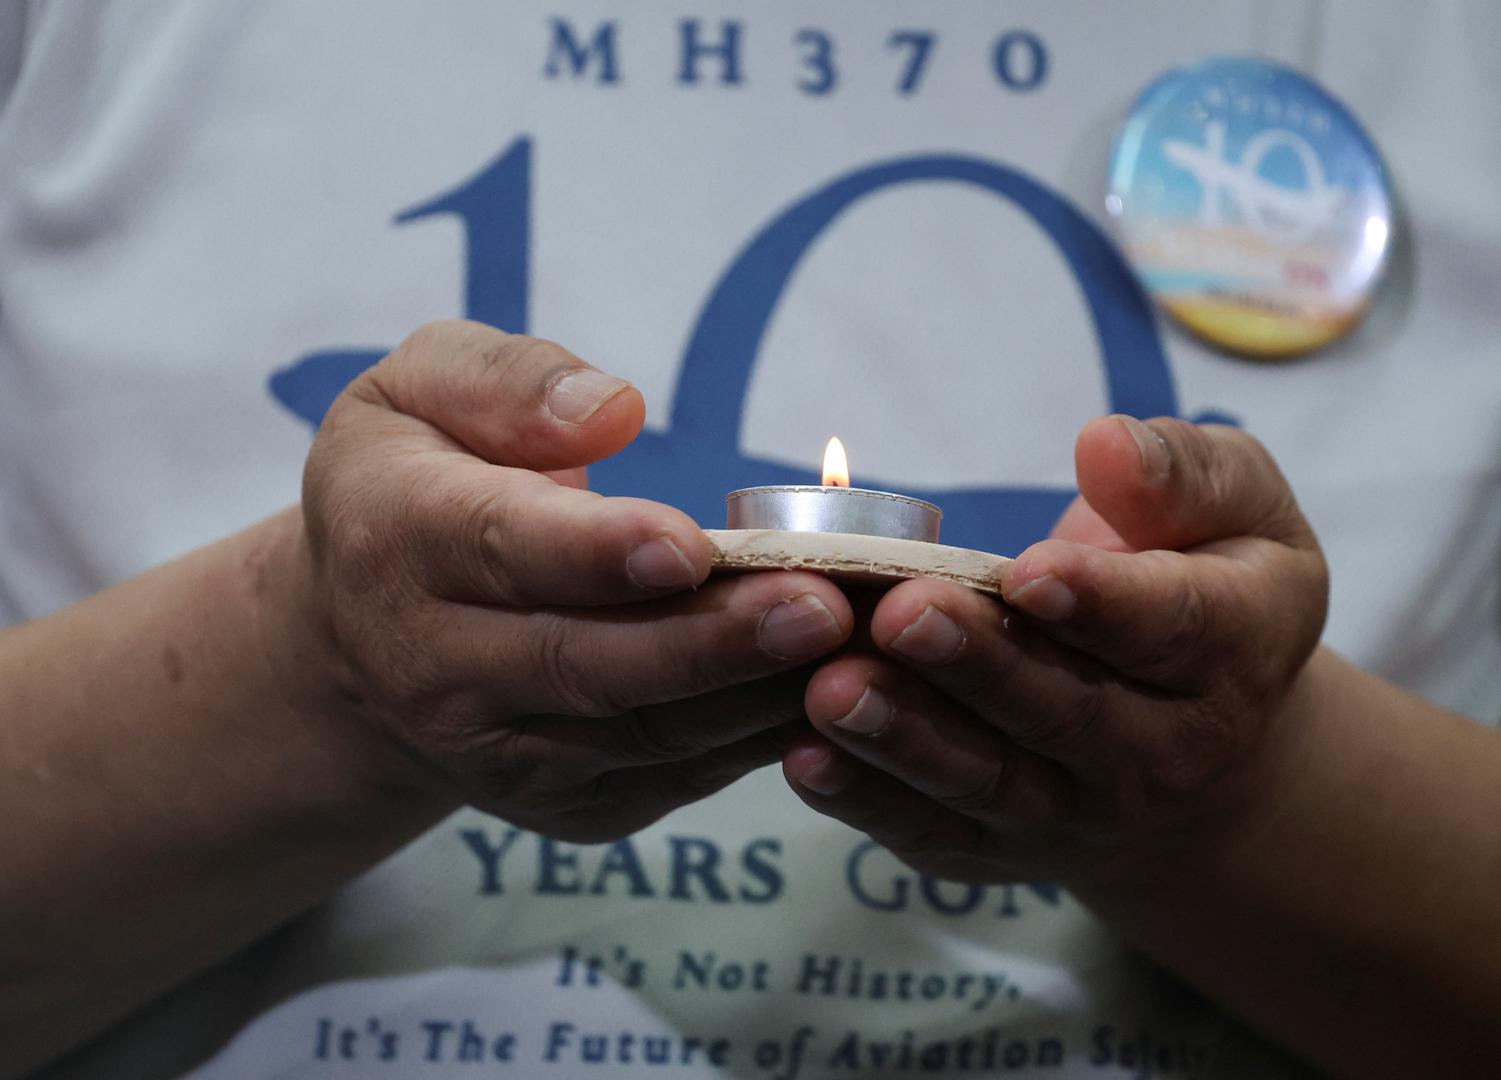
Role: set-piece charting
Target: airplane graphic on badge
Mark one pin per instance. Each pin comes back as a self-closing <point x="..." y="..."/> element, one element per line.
<point x="1252" y="205"/>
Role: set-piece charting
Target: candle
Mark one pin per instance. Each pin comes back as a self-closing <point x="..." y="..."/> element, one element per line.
<point x="852" y="534"/>
<point x="833" y="507"/>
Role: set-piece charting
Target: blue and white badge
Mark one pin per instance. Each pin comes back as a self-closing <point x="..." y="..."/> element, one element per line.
<point x="1252" y="205"/>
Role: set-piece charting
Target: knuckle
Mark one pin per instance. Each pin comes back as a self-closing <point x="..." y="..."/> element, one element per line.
<point x="360" y="549"/>
<point x="568" y="673"/>
<point x="1189" y="625"/>
<point x="984" y="797"/>
<point x="1189" y="442"/>
<point x="445" y="337"/>
<point x="342" y="420"/>
<point x="477" y="540"/>
<point x="1234" y="474"/>
<point x="387" y="669"/>
<point x="1069" y="727"/>
<point x="646" y="740"/>
<point x="1204" y="461"/>
<point x="521" y="366"/>
<point x="1286" y="522"/>
<point x="697" y="664"/>
<point x="488" y="358"/>
<point x="497" y="356"/>
<point x="370" y="609"/>
<point x="1187" y="635"/>
<point x="1085" y="716"/>
<point x="494" y="548"/>
<point x="360" y="539"/>
<point x="449" y="726"/>
<point x="1202" y="750"/>
<point x="1280" y="516"/>
<point x="385" y="383"/>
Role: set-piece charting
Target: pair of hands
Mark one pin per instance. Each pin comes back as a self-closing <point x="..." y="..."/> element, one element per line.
<point x="562" y="659"/>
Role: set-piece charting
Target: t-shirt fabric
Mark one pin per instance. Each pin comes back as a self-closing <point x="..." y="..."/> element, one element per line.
<point x="781" y="221"/>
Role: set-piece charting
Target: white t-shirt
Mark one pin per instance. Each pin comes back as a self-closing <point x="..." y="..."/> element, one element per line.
<point x="780" y="221"/>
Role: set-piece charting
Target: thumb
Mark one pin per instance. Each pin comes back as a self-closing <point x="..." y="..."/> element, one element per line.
<point x="507" y="398"/>
<point x="1223" y="558"/>
<point x="1167" y="483"/>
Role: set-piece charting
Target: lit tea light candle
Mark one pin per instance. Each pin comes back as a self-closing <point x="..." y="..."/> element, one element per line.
<point x="833" y="507"/>
<point x="855" y="534"/>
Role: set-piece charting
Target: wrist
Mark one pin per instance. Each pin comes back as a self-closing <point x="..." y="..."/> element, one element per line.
<point x="1296" y="910"/>
<point x="315" y="683"/>
<point x="1240" y="818"/>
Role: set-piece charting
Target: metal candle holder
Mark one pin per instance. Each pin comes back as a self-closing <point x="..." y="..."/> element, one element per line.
<point x="855" y="534"/>
<point x="817" y="509"/>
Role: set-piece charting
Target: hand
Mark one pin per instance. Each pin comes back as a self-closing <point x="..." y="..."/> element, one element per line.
<point x="552" y="656"/>
<point x="1137" y="690"/>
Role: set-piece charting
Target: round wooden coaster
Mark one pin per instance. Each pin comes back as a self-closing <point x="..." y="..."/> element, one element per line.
<point x="854" y="558"/>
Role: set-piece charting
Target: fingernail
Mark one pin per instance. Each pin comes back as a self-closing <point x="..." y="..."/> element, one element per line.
<point x="798" y="629"/>
<point x="1046" y="597"/>
<point x="579" y="393"/>
<point x="931" y="638"/>
<point x="826" y="778"/>
<point x="1155" y="460"/>
<point x="869" y="716"/>
<point x="660" y="564"/>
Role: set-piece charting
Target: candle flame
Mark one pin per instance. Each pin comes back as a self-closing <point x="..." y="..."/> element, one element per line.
<point x="836" y="465"/>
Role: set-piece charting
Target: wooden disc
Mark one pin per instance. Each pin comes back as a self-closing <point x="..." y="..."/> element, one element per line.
<point x="868" y="559"/>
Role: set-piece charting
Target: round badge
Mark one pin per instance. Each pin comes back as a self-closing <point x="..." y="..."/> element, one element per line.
<point x="1253" y="206"/>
